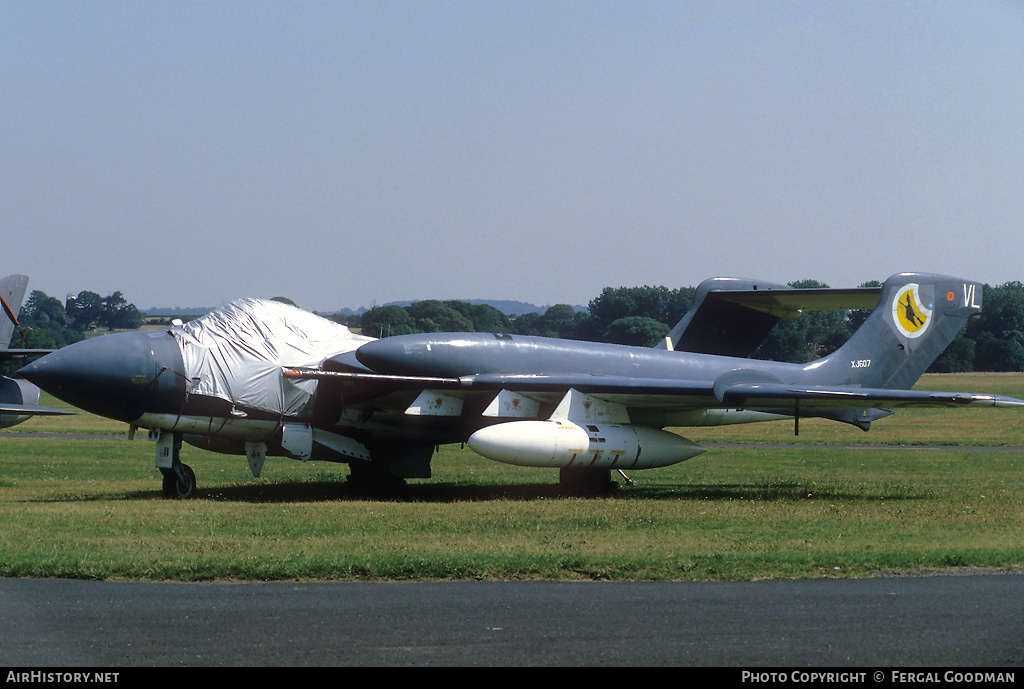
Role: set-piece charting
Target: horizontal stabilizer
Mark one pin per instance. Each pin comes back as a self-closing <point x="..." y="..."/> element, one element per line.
<point x="31" y="410"/>
<point x="732" y="316"/>
<point x="774" y="395"/>
<point x="16" y="353"/>
<point x="790" y="303"/>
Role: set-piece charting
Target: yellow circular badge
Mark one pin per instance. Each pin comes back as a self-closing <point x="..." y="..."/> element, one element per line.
<point x="909" y="313"/>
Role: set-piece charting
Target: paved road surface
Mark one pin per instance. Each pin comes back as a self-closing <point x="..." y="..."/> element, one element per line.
<point x="948" y="621"/>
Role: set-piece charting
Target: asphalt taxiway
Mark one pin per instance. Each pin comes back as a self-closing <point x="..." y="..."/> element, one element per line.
<point x="948" y="620"/>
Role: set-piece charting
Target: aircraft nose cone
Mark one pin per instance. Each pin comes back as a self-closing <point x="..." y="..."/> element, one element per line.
<point x="119" y="376"/>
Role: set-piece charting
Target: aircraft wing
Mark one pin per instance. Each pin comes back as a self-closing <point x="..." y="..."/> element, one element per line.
<point x="663" y="394"/>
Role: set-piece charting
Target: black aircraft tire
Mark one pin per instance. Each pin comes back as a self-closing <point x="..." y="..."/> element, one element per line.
<point x="586" y="481"/>
<point x="175" y="487"/>
<point x="370" y="478"/>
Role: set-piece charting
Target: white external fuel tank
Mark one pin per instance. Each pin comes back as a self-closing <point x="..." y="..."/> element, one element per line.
<point x="559" y="444"/>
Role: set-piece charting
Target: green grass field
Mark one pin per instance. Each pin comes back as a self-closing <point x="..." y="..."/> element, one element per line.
<point x="91" y="507"/>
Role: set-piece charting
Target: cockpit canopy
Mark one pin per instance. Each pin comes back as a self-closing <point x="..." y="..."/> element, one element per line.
<point x="238" y="352"/>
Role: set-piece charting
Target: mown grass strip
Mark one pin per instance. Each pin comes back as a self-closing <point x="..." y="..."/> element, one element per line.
<point x="92" y="508"/>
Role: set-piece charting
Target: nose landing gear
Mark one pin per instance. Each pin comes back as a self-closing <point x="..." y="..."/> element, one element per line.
<point x="179" y="479"/>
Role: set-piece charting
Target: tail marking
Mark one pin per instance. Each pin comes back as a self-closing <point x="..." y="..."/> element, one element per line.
<point x="908" y="313"/>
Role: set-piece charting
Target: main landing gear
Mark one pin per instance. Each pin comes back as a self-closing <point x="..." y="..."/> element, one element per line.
<point x="179" y="479"/>
<point x="586" y="481"/>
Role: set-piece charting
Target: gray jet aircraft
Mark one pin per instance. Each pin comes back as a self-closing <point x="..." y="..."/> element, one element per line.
<point x="19" y="400"/>
<point x="263" y="378"/>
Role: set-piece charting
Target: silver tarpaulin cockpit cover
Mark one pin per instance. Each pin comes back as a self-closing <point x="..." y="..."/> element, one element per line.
<point x="238" y="353"/>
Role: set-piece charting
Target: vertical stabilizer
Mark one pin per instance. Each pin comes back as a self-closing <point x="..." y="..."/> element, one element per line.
<point x="12" y="293"/>
<point x="916" y="318"/>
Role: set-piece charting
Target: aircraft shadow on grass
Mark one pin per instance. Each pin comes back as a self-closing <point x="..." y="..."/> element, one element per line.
<point x="442" y="493"/>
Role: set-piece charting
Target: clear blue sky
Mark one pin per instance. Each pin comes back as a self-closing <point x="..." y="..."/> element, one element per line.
<point x="346" y="153"/>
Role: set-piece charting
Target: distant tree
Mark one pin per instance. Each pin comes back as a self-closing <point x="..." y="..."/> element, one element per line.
<point x="41" y="326"/>
<point x="384" y="321"/>
<point x="657" y="303"/>
<point x="1002" y="352"/>
<point x="118" y="314"/>
<point x="619" y="302"/>
<point x="351" y="320"/>
<point x="813" y="335"/>
<point x="1002" y="310"/>
<point x="996" y="332"/>
<point x="560" y="320"/>
<point x="285" y="300"/>
<point x="958" y="357"/>
<point x="84" y="310"/>
<point x="488" y="319"/>
<point x="856" y="318"/>
<point x="41" y="308"/>
<point x="484" y="317"/>
<point x="639" y="331"/>
<point x="677" y="303"/>
<point x="433" y="316"/>
<point x="786" y="342"/>
<point x="526" y="323"/>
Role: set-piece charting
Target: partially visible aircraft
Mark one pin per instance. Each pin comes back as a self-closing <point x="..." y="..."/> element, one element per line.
<point x="263" y="378"/>
<point x="19" y="400"/>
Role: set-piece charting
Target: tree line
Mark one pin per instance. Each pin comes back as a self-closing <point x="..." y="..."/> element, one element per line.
<point x="46" y="323"/>
<point x="640" y="316"/>
<point x="643" y="316"/>
<point x="627" y="315"/>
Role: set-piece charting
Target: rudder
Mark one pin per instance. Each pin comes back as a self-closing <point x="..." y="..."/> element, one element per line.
<point x="917" y="316"/>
